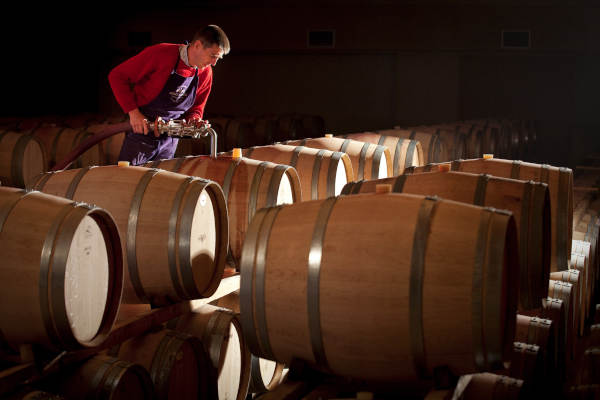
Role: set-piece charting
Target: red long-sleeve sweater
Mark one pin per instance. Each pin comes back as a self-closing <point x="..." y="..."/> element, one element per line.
<point x="138" y="80"/>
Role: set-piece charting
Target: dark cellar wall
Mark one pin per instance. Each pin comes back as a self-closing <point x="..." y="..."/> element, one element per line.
<point x="394" y="62"/>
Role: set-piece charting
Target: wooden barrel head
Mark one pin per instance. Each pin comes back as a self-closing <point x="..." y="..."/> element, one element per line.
<point x="32" y="161"/>
<point x="204" y="239"/>
<point x="86" y="280"/>
<point x="184" y="371"/>
<point x="230" y="371"/>
<point x="285" y="193"/>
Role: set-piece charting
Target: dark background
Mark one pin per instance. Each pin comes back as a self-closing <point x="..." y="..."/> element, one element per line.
<point x="394" y="62"/>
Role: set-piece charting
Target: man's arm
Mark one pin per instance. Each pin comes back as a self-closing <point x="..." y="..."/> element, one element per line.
<point x="125" y="76"/>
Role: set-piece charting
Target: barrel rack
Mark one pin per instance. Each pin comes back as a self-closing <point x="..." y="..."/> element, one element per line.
<point x="33" y="364"/>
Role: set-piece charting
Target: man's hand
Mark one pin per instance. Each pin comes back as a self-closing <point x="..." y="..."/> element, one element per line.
<point x="199" y="123"/>
<point x="138" y="122"/>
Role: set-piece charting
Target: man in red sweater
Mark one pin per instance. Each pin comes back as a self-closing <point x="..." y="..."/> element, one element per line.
<point x="170" y="81"/>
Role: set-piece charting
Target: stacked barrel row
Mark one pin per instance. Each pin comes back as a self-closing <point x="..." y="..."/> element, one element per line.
<point x="263" y="318"/>
<point x="174" y="232"/>
<point x="302" y="264"/>
<point x="31" y="146"/>
<point x="541" y="199"/>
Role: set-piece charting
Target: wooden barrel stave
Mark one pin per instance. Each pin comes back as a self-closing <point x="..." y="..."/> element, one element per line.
<point x="21" y="159"/>
<point x="248" y="186"/>
<point x="529" y="202"/>
<point x="405" y="153"/>
<point x="177" y="363"/>
<point x="73" y="250"/>
<point x="560" y="186"/>
<point x="105" y="377"/>
<point x="369" y="161"/>
<point x="221" y="335"/>
<point x="173" y="228"/>
<point x="344" y="356"/>
<point x="322" y="173"/>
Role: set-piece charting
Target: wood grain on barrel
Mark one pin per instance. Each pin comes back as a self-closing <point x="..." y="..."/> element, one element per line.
<point x="173" y="227"/>
<point x="428" y="242"/>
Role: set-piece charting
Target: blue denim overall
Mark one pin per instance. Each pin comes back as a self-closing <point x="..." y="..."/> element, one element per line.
<point x="176" y="97"/>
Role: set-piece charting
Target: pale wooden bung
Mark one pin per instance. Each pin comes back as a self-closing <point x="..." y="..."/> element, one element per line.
<point x="528" y="201"/>
<point x="538" y="331"/>
<point x="248" y="186"/>
<point x="573" y="276"/>
<point x="486" y="385"/>
<point x="64" y="264"/>
<point x="300" y="301"/>
<point x="456" y="141"/>
<point x="564" y="291"/>
<point x="221" y="335"/>
<point x="560" y="186"/>
<point x="434" y="148"/>
<point x="59" y="141"/>
<point x="179" y="366"/>
<point x="265" y="374"/>
<point x="369" y="161"/>
<point x="21" y="159"/>
<point x="173" y="227"/>
<point x="105" y="377"/>
<point x="404" y="152"/>
<point x="322" y="173"/>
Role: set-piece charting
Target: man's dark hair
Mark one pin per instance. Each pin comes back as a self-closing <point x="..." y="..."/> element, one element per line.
<point x="211" y="35"/>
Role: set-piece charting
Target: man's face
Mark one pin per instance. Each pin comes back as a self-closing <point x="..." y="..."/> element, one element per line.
<point x="202" y="56"/>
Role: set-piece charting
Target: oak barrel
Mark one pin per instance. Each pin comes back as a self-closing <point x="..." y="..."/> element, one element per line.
<point x="573" y="276"/>
<point x="58" y="141"/>
<point x="21" y="159"/>
<point x="248" y="185"/>
<point x="455" y="140"/>
<point x="404" y="152"/>
<point x="539" y="331"/>
<point x="105" y="377"/>
<point x="179" y="366"/>
<point x="369" y="161"/>
<point x="564" y="291"/>
<point x="300" y="301"/>
<point x="560" y="186"/>
<point x="527" y="363"/>
<point x="486" y="385"/>
<point x="221" y="335"/>
<point x="322" y="173"/>
<point x="173" y="227"/>
<point x="580" y="263"/>
<point x="64" y="263"/>
<point x="265" y="374"/>
<point x="434" y="148"/>
<point x="528" y="201"/>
